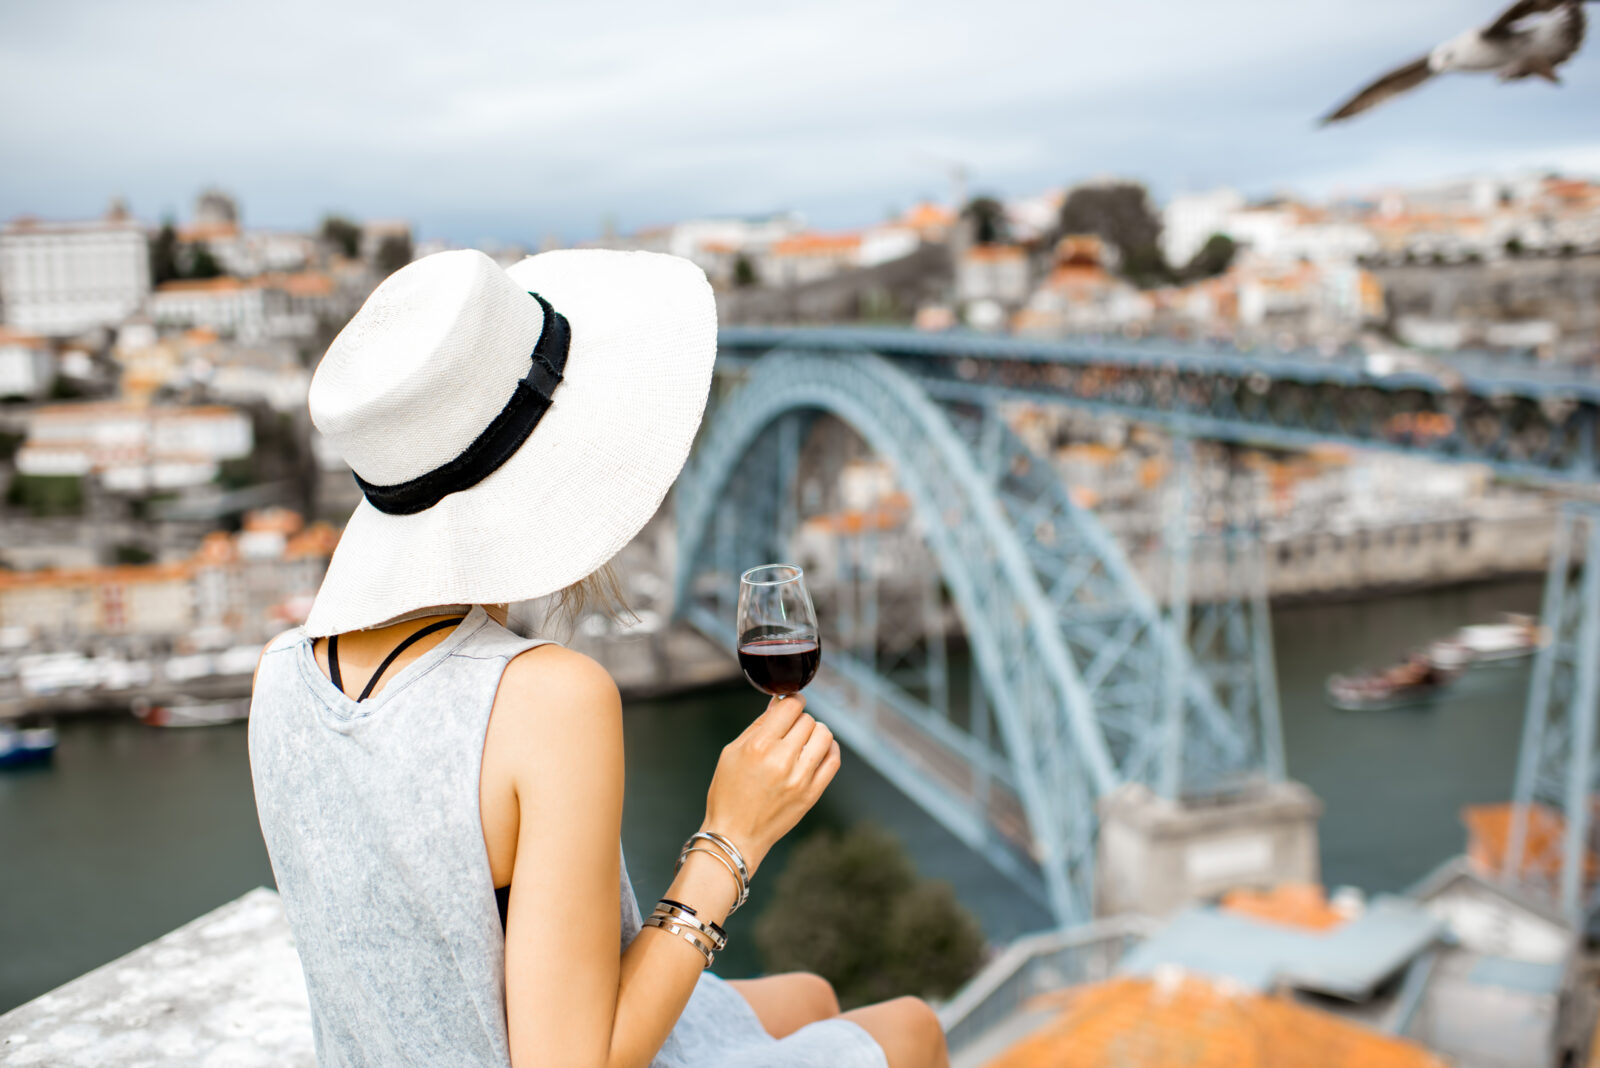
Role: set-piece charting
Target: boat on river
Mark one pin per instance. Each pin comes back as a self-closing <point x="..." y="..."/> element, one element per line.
<point x="190" y="712"/>
<point x="26" y="745"/>
<point x="1415" y="680"/>
<point x="1516" y="637"/>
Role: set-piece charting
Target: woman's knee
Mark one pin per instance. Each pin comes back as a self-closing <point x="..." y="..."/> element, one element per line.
<point x="922" y="1022"/>
<point x="816" y="992"/>
<point x="908" y="1029"/>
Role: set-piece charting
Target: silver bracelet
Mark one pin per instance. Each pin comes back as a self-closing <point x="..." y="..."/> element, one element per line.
<point x="733" y="851"/>
<point x="678" y="914"/>
<point x="685" y="933"/>
<point x="744" y="887"/>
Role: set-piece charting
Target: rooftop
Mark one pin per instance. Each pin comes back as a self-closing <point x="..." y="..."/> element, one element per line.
<point x="1175" y="1020"/>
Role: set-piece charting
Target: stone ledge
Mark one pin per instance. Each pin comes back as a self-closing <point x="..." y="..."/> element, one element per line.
<point x="222" y="991"/>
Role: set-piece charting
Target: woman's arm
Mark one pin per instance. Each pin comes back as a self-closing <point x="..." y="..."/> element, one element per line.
<point x="570" y="999"/>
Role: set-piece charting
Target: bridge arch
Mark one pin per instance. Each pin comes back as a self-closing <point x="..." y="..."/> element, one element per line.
<point x="1057" y="749"/>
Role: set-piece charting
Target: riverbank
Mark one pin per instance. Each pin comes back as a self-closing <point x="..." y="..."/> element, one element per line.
<point x="134" y="831"/>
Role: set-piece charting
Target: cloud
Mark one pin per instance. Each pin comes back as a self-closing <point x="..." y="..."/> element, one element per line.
<point x="485" y="119"/>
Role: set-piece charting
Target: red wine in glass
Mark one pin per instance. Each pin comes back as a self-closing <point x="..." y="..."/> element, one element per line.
<point x="779" y="665"/>
<point x="779" y="649"/>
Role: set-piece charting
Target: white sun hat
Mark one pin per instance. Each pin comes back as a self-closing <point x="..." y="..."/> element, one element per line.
<point x="511" y="430"/>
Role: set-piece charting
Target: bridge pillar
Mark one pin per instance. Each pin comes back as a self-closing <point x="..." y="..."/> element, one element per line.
<point x="1556" y="770"/>
<point x="1158" y="855"/>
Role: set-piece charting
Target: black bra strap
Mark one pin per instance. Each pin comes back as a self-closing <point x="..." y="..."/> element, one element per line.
<point x="333" y="655"/>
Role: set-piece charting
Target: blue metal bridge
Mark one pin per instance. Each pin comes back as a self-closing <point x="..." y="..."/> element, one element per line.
<point x="1080" y="679"/>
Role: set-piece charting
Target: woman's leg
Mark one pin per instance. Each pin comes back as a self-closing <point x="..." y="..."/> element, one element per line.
<point x="788" y="1001"/>
<point x="908" y="1030"/>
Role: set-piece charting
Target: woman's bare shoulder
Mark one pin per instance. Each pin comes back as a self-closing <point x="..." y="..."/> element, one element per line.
<point x="555" y="700"/>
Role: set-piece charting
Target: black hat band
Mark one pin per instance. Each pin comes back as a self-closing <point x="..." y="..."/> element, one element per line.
<point x="499" y="440"/>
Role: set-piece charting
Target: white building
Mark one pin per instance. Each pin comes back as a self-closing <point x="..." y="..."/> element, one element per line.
<point x="714" y="244"/>
<point x="230" y="306"/>
<point x="135" y="449"/>
<point x="1188" y="220"/>
<point x="61" y="278"/>
<point x="268" y="306"/>
<point x="26" y="365"/>
<point x="993" y="272"/>
<point x="1283" y="231"/>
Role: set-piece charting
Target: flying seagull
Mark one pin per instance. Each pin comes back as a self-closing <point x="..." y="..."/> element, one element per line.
<point x="1531" y="38"/>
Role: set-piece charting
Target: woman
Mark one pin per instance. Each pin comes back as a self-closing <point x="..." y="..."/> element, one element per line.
<point x="442" y="799"/>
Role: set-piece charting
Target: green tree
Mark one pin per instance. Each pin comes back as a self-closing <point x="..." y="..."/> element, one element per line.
<point x="988" y="219"/>
<point x="200" y="263"/>
<point x="1120" y="214"/>
<point x="44" y="495"/>
<point x="1212" y="259"/>
<point x="342" y="235"/>
<point x="394" y="252"/>
<point x="744" y="272"/>
<point x="852" y="909"/>
<point x="164" y="254"/>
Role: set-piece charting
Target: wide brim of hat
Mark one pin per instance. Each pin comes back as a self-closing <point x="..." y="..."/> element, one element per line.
<point x="592" y="473"/>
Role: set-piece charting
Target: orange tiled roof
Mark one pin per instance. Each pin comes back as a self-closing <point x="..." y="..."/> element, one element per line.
<point x="12" y="337"/>
<point x="1077" y="275"/>
<point x="123" y="574"/>
<point x="319" y="539"/>
<point x="1489" y="838"/>
<point x="1301" y="905"/>
<point x="928" y="215"/>
<point x="994" y="253"/>
<point x="301" y="283"/>
<point x="222" y="284"/>
<point x="1182" y="1021"/>
<point x="816" y="244"/>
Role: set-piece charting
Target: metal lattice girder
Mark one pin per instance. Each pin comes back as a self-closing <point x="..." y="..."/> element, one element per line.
<point x="1056" y="757"/>
<point x="1124" y="649"/>
<point x="1528" y="422"/>
<point x="1558" y="765"/>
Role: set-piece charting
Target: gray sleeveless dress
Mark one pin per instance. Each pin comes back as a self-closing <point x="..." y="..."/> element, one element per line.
<point x="371" y="819"/>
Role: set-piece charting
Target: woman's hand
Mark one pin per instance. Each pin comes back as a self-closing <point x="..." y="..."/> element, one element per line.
<point x="770" y="776"/>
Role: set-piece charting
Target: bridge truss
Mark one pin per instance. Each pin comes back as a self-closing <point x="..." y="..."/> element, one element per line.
<point x="1559" y="770"/>
<point x="1079" y="682"/>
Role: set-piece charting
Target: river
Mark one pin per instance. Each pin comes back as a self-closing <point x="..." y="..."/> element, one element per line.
<point x="134" y="831"/>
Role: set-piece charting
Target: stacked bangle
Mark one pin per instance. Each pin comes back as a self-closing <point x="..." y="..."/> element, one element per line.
<point x="727" y="855"/>
<point x="678" y="926"/>
<point x="675" y="917"/>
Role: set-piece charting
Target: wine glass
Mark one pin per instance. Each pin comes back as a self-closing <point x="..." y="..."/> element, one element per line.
<point x="779" y="648"/>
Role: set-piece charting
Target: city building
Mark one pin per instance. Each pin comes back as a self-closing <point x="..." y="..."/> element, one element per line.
<point x="992" y="272"/>
<point x="1080" y="294"/>
<point x="273" y="305"/>
<point x="62" y="278"/>
<point x="27" y="365"/>
<point x="147" y="599"/>
<point x="133" y="449"/>
<point x="246" y="587"/>
<point x="809" y="257"/>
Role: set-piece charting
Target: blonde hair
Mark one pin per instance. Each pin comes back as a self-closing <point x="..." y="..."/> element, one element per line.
<point x="599" y="592"/>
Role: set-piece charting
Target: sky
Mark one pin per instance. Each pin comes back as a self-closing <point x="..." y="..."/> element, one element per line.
<point x="483" y="121"/>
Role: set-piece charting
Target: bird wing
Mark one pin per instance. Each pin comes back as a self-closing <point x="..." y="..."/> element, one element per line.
<point x="1570" y="34"/>
<point x="1394" y="83"/>
<point x="1506" y="25"/>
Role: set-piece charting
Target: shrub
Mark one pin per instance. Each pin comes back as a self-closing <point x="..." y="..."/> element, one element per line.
<point x="852" y="909"/>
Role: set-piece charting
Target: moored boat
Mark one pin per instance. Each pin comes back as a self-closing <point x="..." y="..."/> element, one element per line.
<point x="189" y="712"/>
<point x="1412" y="681"/>
<point x="1515" y="638"/>
<point x="27" y="745"/>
